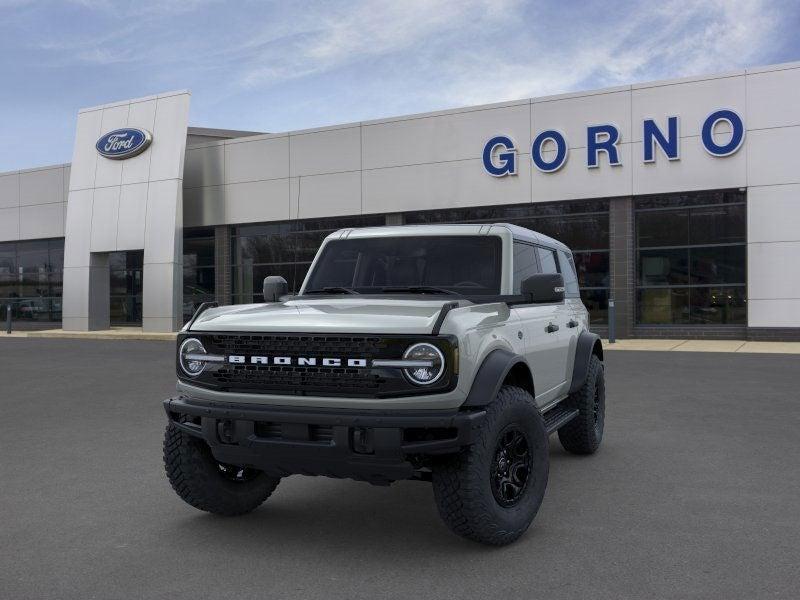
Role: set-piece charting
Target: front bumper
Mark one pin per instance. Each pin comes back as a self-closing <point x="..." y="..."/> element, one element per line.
<point x="371" y="445"/>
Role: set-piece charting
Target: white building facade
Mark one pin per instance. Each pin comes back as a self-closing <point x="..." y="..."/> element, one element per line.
<point x="680" y="199"/>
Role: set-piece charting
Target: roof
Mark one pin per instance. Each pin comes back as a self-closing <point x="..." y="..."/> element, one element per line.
<point x="518" y="233"/>
<point x="528" y="235"/>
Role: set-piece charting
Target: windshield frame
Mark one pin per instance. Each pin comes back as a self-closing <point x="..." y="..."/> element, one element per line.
<point x="502" y="281"/>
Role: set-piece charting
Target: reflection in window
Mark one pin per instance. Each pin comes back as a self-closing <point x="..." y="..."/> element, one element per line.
<point x="547" y="259"/>
<point x="31" y="277"/>
<point x="198" y="269"/>
<point x="691" y="259"/>
<point x="525" y="264"/>
<point x="126" y="287"/>
<point x="284" y="249"/>
<point x="570" y="278"/>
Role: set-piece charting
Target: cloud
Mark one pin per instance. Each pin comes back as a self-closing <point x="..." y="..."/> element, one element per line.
<point x="469" y="51"/>
<point x="454" y="53"/>
<point x="326" y="39"/>
<point x="654" y="42"/>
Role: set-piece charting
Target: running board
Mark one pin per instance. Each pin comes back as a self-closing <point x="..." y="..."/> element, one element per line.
<point x="558" y="416"/>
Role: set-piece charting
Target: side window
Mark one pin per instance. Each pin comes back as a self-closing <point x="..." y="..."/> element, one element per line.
<point x="525" y="264"/>
<point x="570" y="277"/>
<point x="547" y="258"/>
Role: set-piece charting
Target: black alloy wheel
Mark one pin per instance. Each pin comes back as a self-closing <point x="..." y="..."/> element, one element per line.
<point x="511" y="467"/>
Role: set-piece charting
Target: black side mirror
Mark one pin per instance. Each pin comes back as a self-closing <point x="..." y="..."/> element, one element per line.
<point x="275" y="286"/>
<point x="544" y="288"/>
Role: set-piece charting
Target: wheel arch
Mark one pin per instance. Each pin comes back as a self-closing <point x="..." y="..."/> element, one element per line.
<point x="500" y="367"/>
<point x="588" y="345"/>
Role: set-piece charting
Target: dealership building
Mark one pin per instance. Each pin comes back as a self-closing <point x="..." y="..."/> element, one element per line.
<point x="680" y="200"/>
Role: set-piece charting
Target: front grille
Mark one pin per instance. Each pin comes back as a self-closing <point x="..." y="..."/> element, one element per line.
<point x="296" y="378"/>
<point x="312" y="380"/>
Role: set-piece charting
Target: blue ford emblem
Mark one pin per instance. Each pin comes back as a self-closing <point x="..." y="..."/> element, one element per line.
<point x="123" y="143"/>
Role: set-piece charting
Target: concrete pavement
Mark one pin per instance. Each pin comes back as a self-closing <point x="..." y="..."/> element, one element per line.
<point x="694" y="494"/>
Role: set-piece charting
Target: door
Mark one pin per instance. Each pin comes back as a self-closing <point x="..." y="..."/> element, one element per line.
<point x="543" y="327"/>
<point x="125" y="270"/>
<point x="573" y="308"/>
<point x="544" y="348"/>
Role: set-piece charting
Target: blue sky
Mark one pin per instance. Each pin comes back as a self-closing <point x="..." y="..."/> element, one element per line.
<point x="277" y="66"/>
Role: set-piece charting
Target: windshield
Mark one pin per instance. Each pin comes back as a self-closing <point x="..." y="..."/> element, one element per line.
<point x="468" y="265"/>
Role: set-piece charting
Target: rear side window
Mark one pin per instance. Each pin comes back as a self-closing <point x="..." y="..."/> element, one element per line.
<point x="525" y="264"/>
<point x="570" y="277"/>
<point x="547" y="258"/>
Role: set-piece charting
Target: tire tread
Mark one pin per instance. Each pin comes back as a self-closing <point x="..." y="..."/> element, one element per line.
<point x="189" y="466"/>
<point x="578" y="436"/>
<point x="459" y="484"/>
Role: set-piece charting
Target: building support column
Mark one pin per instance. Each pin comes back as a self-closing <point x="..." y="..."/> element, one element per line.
<point x="222" y="264"/>
<point x="621" y="264"/>
<point x="99" y="292"/>
<point x="87" y="295"/>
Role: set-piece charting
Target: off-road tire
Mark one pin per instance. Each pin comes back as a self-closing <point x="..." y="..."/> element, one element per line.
<point x="462" y="483"/>
<point x="584" y="433"/>
<point x="198" y="479"/>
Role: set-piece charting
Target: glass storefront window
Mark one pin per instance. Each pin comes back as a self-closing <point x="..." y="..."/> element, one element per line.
<point x="593" y="269"/>
<point x="284" y="249"/>
<point x="125" y="270"/>
<point x="691" y="259"/>
<point x="664" y="267"/>
<point x="199" y="273"/>
<point x="31" y="280"/>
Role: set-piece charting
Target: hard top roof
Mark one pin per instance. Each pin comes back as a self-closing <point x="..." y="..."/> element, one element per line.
<point x="518" y="233"/>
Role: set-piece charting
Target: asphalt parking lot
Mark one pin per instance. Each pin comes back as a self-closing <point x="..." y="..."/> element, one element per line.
<point x="694" y="494"/>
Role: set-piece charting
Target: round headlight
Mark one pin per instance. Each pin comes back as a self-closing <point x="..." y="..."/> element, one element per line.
<point x="426" y="353"/>
<point x="188" y="353"/>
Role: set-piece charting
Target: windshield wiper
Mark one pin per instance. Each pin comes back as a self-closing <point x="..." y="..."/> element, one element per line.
<point x="332" y="290"/>
<point x="419" y="289"/>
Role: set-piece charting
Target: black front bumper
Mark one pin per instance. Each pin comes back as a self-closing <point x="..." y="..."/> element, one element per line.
<point x="375" y="446"/>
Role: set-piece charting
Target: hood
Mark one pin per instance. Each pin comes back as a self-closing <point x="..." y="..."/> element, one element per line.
<point x="327" y="315"/>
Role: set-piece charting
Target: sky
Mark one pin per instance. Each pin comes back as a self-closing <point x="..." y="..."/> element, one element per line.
<point x="283" y="65"/>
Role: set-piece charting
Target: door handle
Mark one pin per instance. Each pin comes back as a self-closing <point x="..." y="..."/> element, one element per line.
<point x="572" y="324"/>
<point x="551" y="328"/>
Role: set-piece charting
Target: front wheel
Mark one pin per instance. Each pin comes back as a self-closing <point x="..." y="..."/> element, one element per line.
<point x="491" y="491"/>
<point x="203" y="482"/>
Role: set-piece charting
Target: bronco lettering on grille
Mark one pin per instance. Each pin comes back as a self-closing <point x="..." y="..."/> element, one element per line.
<point x="302" y="361"/>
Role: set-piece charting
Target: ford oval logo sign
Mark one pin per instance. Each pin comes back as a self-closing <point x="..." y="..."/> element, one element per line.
<point x="123" y="143"/>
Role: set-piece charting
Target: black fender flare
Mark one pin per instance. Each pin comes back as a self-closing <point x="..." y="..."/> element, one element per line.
<point x="490" y="376"/>
<point x="588" y="344"/>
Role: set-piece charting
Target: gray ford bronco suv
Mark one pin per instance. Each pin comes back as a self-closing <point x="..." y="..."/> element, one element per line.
<point x="441" y="353"/>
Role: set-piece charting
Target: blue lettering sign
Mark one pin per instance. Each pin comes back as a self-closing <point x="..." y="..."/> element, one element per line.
<point x="500" y="152"/>
<point x="707" y="135"/>
<point x="507" y="158"/>
<point x="652" y="135"/>
<point x="561" y="151"/>
<point x="602" y="138"/>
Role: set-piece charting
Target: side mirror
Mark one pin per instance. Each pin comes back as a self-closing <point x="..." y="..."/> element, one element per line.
<point x="275" y="286"/>
<point x="544" y="288"/>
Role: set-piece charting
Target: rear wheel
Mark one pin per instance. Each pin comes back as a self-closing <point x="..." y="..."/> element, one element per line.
<point x="491" y="491"/>
<point x="203" y="482"/>
<point x="584" y="433"/>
